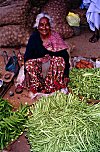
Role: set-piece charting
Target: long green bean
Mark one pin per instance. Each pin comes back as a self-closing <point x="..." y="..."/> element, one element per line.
<point x="64" y="123"/>
<point x="85" y="82"/>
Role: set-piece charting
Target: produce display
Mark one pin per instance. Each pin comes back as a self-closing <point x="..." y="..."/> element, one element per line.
<point x="86" y="82"/>
<point x="11" y="123"/>
<point x="63" y="123"/>
<point x="59" y="123"/>
<point x="84" y="64"/>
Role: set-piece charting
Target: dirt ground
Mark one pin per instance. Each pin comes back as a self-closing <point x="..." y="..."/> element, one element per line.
<point x="81" y="47"/>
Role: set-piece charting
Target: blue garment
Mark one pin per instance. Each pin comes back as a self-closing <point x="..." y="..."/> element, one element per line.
<point x="93" y="13"/>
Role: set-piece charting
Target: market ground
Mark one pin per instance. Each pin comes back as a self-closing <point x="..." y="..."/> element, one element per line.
<point x="81" y="47"/>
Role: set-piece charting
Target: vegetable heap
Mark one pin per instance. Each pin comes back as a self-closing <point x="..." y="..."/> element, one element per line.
<point x="64" y="123"/>
<point x="86" y="82"/>
<point x="11" y="123"/>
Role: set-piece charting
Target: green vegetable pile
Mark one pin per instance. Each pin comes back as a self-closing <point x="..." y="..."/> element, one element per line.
<point x="63" y="123"/>
<point x="11" y="123"/>
<point x="85" y="82"/>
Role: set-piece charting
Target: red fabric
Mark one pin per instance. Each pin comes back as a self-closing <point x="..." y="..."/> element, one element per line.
<point x="54" y="78"/>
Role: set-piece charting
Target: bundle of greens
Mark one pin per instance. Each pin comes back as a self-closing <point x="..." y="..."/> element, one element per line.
<point x="85" y="82"/>
<point x="11" y="123"/>
<point x="63" y="123"/>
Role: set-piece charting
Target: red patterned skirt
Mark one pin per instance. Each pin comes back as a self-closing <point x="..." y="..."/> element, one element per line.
<point x="52" y="81"/>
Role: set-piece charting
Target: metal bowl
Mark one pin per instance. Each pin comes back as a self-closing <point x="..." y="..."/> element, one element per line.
<point x="7" y="76"/>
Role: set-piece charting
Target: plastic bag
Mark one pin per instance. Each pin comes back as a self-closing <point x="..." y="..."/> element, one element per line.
<point x="97" y="63"/>
<point x="83" y="62"/>
<point x="13" y="65"/>
<point x="73" y="19"/>
<point x="21" y="76"/>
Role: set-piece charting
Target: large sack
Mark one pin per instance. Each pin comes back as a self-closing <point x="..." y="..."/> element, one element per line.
<point x="58" y="11"/>
<point x="13" y="14"/>
<point x="16" y="23"/>
<point x="12" y="35"/>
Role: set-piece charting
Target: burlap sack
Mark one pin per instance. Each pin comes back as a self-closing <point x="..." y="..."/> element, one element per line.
<point x="58" y="11"/>
<point x="12" y="35"/>
<point x="16" y="23"/>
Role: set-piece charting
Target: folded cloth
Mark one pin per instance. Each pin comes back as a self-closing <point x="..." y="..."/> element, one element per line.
<point x="21" y="76"/>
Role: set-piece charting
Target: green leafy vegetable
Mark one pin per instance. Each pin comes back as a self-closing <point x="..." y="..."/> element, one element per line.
<point x="11" y="123"/>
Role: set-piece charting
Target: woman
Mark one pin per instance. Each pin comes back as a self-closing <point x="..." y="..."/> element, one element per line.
<point x="46" y="59"/>
<point x="93" y="18"/>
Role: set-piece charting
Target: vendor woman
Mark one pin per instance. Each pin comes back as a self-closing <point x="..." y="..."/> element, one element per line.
<point x="46" y="60"/>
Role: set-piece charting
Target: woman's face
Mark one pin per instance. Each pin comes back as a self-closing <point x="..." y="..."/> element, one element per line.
<point x="44" y="27"/>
